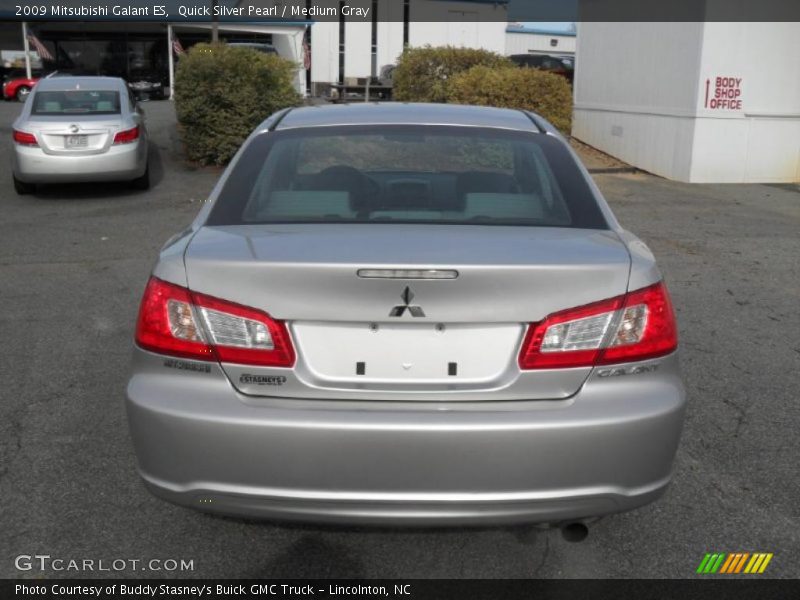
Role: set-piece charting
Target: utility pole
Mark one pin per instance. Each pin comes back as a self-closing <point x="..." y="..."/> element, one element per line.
<point x="27" y="47"/>
<point x="214" y="22"/>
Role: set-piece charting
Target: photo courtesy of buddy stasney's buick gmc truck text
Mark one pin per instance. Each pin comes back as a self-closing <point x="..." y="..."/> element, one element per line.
<point x="206" y="590"/>
<point x="406" y="314"/>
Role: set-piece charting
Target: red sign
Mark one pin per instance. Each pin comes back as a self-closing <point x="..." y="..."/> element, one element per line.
<point x="726" y="95"/>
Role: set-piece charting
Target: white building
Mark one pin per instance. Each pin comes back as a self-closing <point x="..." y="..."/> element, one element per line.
<point x="695" y="102"/>
<point x="359" y="49"/>
<point x="528" y="40"/>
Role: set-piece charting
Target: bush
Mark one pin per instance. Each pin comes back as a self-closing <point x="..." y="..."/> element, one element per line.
<point x="423" y="74"/>
<point x="223" y="93"/>
<point x="545" y="93"/>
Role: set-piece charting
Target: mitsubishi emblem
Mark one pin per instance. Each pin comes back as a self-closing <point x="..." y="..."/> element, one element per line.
<point x="400" y="309"/>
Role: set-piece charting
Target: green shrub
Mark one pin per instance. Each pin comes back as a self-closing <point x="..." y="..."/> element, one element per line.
<point x="423" y="74"/>
<point x="545" y="93"/>
<point x="222" y="93"/>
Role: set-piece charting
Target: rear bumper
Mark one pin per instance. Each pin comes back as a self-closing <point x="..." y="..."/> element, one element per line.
<point x="119" y="163"/>
<point x="607" y="449"/>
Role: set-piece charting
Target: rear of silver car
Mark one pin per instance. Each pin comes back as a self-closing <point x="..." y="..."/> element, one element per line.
<point x="403" y="372"/>
<point x="79" y="129"/>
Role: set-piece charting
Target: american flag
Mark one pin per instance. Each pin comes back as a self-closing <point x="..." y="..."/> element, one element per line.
<point x="40" y="48"/>
<point x="177" y="47"/>
<point x="306" y="50"/>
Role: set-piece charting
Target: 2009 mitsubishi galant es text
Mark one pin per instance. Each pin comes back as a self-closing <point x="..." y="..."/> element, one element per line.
<point x="406" y="314"/>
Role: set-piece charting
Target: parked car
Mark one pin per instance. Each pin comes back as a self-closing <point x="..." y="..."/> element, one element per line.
<point x="406" y="314"/>
<point x="79" y="129"/>
<point x="18" y="88"/>
<point x="559" y="65"/>
<point x="147" y="85"/>
<point x="260" y="47"/>
<point x="9" y="73"/>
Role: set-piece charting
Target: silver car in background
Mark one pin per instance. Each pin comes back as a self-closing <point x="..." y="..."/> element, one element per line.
<point x="406" y="314"/>
<point x="79" y="129"/>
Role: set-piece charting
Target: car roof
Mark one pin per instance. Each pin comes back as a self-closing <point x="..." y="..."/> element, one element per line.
<point x="61" y="84"/>
<point x="397" y="113"/>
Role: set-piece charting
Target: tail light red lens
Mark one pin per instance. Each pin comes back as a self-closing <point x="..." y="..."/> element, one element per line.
<point x="178" y="322"/>
<point x="24" y="138"/>
<point x="167" y="324"/>
<point x="636" y="326"/>
<point x="640" y="337"/>
<point x="127" y="136"/>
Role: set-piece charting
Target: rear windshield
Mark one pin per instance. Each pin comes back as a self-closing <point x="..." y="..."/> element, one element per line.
<point x="76" y="102"/>
<point x="407" y="174"/>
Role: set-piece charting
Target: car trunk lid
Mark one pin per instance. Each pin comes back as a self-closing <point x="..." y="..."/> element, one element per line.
<point x="89" y="134"/>
<point x="408" y="337"/>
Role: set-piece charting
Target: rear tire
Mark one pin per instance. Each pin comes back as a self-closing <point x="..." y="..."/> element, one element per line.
<point x="23" y="92"/>
<point x="143" y="182"/>
<point x="23" y="188"/>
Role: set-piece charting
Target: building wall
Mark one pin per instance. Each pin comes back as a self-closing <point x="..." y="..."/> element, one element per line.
<point x="463" y="24"/>
<point x="538" y="43"/>
<point x="469" y="33"/>
<point x="390" y="42"/>
<point x="636" y="83"/>
<point x="641" y="95"/>
<point x="761" y="142"/>
<point x="325" y="47"/>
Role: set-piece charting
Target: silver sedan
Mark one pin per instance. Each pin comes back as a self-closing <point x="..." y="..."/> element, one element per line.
<point x="79" y="129"/>
<point x="406" y="314"/>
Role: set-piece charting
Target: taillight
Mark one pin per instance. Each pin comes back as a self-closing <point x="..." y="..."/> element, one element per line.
<point x="24" y="138"/>
<point x="635" y="326"/>
<point x="127" y="136"/>
<point x="178" y="322"/>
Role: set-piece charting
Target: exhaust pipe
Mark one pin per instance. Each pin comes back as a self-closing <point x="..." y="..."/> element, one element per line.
<point x="575" y="531"/>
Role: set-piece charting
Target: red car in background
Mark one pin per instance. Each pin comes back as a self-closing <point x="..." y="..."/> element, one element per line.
<point x="19" y="88"/>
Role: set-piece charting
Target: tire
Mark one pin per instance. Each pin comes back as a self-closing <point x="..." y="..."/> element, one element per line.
<point x="22" y="94"/>
<point x="143" y="182"/>
<point x="23" y="188"/>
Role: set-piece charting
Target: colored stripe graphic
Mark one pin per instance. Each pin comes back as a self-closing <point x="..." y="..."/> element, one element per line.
<point x="741" y="562"/>
<point x="730" y="566"/>
<point x="758" y="563"/>
<point x="755" y="562"/>
<point x="703" y="563"/>
<point x="727" y="564"/>
<point x="711" y="563"/>
<point x="737" y="563"/>
<point x="715" y="567"/>
<point x="734" y="562"/>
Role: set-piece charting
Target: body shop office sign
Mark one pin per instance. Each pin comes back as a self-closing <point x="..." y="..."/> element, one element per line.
<point x="724" y="93"/>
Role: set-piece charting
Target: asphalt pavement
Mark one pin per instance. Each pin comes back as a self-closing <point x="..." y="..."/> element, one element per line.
<point x="74" y="261"/>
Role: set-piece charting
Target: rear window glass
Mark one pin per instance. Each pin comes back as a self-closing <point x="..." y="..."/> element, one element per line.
<point x="407" y="174"/>
<point x="76" y="102"/>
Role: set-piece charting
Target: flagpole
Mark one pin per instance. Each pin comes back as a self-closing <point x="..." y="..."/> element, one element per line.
<point x="27" y="48"/>
<point x="171" y="63"/>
